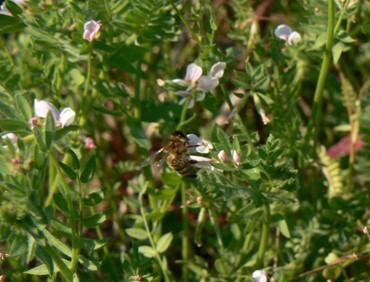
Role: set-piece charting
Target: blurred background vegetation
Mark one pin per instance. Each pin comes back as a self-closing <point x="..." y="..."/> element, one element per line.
<point x="77" y="203"/>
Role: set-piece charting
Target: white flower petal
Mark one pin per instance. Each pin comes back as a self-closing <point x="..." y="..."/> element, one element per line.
<point x="217" y="70"/>
<point x="259" y="276"/>
<point x="236" y="157"/>
<point x="67" y="116"/>
<point x="207" y="83"/>
<point x="294" y="38"/>
<point x="193" y="72"/>
<point x="222" y="156"/>
<point x="10" y="136"/>
<point x="283" y="31"/>
<point x="200" y="145"/>
<point x="180" y="82"/>
<point x="200" y="159"/>
<point x="91" y="29"/>
<point x="42" y="107"/>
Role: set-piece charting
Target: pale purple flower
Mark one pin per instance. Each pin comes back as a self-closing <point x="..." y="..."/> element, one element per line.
<point x="217" y="70"/>
<point x="343" y="147"/>
<point x="259" y="276"/>
<point x="193" y="73"/>
<point x="42" y="108"/>
<point x="207" y="83"/>
<point x="286" y="33"/>
<point x="91" y="30"/>
<point x="200" y="145"/>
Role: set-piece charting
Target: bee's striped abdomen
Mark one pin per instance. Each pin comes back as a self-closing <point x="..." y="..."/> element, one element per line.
<point x="182" y="165"/>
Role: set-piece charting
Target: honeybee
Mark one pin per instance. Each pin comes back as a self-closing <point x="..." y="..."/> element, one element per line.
<point x="177" y="154"/>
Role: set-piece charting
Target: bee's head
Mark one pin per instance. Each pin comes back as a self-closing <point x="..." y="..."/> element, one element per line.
<point x="178" y="143"/>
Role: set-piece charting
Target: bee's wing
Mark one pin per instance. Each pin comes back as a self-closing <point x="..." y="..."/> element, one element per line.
<point x="157" y="158"/>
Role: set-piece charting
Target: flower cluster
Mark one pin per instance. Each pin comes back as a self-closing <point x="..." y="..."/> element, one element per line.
<point x="194" y="81"/>
<point x="199" y="146"/>
<point x="61" y="119"/>
<point x="224" y="157"/>
<point x="286" y="33"/>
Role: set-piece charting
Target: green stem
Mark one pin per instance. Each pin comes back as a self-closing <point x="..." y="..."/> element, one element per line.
<point x="164" y="272"/>
<point x="217" y="229"/>
<point x="340" y="19"/>
<point x="183" y="115"/>
<point x="264" y="236"/>
<point x="316" y="112"/>
<point x="89" y="70"/>
<point x="185" y="235"/>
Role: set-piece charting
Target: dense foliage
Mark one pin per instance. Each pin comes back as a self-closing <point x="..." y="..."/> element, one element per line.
<point x="285" y="185"/>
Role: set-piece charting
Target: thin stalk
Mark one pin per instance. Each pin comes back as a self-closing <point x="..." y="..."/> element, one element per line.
<point x="183" y="115"/>
<point x="185" y="235"/>
<point x="340" y="19"/>
<point x="316" y="112"/>
<point x="164" y="272"/>
<point x="76" y="232"/>
<point x="89" y="70"/>
<point x="217" y="229"/>
<point x="264" y="236"/>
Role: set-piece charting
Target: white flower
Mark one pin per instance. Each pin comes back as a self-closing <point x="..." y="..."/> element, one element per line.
<point x="285" y="32"/>
<point x="236" y="157"/>
<point x="201" y="146"/>
<point x="294" y="38"/>
<point x="67" y="116"/>
<point x="42" y="108"/>
<point x="91" y="30"/>
<point x="259" y="276"/>
<point x="11" y="137"/>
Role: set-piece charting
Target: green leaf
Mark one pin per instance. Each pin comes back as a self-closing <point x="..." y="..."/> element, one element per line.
<point x="49" y="130"/>
<point x="68" y="171"/>
<point x="89" y="170"/>
<point x="164" y="242"/>
<point x="253" y="174"/>
<point x="95" y="220"/>
<point x="60" y="133"/>
<point x="13" y="125"/>
<point x="94" y="198"/>
<point x="284" y="229"/>
<point x="74" y="157"/>
<point x="39" y="270"/>
<point x="337" y="50"/>
<point x="223" y="138"/>
<point x="23" y="107"/>
<point x="9" y="112"/>
<point x="147" y="251"/>
<point x="61" y="202"/>
<point x="137" y="233"/>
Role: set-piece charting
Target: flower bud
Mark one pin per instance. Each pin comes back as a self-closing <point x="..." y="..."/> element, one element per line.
<point x="236" y="157"/>
<point x="90" y="144"/>
<point x="222" y="156"/>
